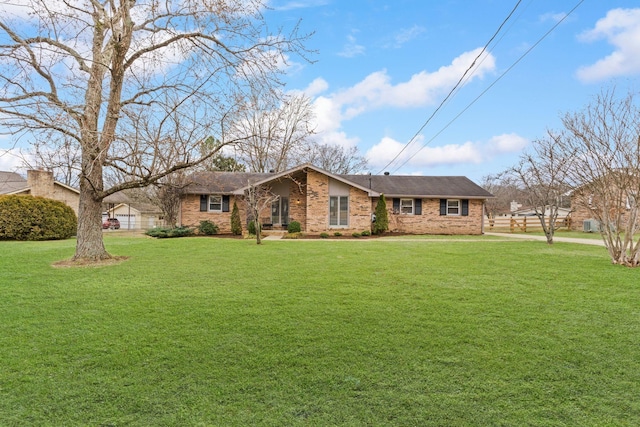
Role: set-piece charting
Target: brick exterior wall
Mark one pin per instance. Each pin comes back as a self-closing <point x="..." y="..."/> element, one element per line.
<point x="190" y="215"/>
<point x="41" y="184"/>
<point x="431" y="222"/>
<point x="297" y="199"/>
<point x="317" y="202"/>
<point x="359" y="211"/>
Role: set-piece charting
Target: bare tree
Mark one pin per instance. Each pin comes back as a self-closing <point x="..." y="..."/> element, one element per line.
<point x="543" y="174"/>
<point x="129" y="81"/>
<point x="58" y="154"/>
<point x="336" y="159"/>
<point x="258" y="198"/>
<point x="605" y="141"/>
<point x="167" y="193"/>
<point x="277" y="126"/>
<point x="505" y="191"/>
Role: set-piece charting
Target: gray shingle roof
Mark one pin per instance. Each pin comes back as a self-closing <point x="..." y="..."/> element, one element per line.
<point x="389" y="185"/>
<point x="421" y="186"/>
<point x="11" y="182"/>
<point x="221" y="182"/>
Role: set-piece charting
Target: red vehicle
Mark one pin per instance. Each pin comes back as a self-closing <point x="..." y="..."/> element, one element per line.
<point x="111" y="223"/>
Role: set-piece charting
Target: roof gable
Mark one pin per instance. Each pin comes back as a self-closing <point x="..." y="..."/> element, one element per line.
<point x="211" y="182"/>
<point x="11" y="182"/>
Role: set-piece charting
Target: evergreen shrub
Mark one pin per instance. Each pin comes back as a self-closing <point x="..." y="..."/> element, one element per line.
<point x="294" y="227"/>
<point x="208" y="228"/>
<point x="35" y="218"/>
<point x="236" y="223"/>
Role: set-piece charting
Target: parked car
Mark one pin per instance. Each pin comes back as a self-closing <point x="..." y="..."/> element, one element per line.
<point x="111" y="223"/>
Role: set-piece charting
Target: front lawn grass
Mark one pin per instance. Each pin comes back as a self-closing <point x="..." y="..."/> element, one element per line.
<point x="223" y="332"/>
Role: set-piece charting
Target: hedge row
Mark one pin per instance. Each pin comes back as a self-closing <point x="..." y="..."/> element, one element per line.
<point x="35" y="218"/>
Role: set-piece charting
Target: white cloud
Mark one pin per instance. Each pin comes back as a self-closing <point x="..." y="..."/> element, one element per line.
<point x="553" y="17"/>
<point x="337" y="138"/>
<point x="620" y="28"/>
<point x="11" y="160"/>
<point x="377" y="91"/>
<point x="316" y="87"/>
<point x="506" y="143"/>
<point x="351" y="48"/>
<point x="300" y="4"/>
<point x="417" y="155"/>
<point x="423" y="88"/>
<point x="405" y="35"/>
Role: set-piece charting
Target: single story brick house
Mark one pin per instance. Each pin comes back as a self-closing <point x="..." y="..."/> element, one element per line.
<point x="39" y="183"/>
<point x="322" y="201"/>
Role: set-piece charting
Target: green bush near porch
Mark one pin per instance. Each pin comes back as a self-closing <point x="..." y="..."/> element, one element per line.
<point x="194" y="331"/>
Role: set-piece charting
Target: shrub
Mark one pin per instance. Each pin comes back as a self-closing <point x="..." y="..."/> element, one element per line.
<point x="167" y="232"/>
<point x="251" y="228"/>
<point x="355" y="234"/>
<point x="207" y="228"/>
<point x="294" y="227"/>
<point x="337" y="234"/>
<point x="365" y="233"/>
<point x="236" y="223"/>
<point x="35" y="218"/>
<point x="381" y="223"/>
<point x="324" y="235"/>
<point x="290" y="235"/>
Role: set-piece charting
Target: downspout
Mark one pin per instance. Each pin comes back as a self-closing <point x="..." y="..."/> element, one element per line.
<point x="483" y="215"/>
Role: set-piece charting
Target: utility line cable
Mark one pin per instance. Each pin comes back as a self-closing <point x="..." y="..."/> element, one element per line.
<point x="491" y="85"/>
<point x="484" y="49"/>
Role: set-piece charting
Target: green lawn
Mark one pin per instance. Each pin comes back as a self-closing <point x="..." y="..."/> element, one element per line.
<point x="222" y="332"/>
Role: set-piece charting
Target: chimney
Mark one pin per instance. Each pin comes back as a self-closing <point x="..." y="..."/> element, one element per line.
<point x="40" y="183"/>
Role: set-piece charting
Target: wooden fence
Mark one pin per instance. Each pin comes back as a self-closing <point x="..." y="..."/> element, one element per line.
<point x="521" y="224"/>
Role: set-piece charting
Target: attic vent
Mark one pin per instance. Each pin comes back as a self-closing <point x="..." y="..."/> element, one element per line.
<point x="386" y="173"/>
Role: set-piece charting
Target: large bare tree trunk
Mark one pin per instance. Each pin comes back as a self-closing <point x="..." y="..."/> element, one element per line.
<point x="90" y="246"/>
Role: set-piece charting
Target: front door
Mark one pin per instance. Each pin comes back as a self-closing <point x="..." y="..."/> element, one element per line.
<point x="280" y="211"/>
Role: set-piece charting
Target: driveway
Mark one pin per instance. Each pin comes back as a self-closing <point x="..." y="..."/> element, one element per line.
<point x="594" y="242"/>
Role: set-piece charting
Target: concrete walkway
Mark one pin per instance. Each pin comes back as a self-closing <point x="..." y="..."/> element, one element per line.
<point x="594" y="242"/>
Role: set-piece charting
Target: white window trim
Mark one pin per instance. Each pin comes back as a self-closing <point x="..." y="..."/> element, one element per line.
<point x="338" y="208"/>
<point x="413" y="207"/>
<point x="209" y="203"/>
<point x="459" y="207"/>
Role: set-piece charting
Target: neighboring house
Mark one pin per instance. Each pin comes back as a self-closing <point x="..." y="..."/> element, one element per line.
<point x="325" y="202"/>
<point x="614" y="195"/>
<point x="39" y="184"/>
<point x="563" y="213"/>
<point x="134" y="213"/>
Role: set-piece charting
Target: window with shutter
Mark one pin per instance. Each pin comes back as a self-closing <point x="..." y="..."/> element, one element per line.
<point x="396" y="205"/>
<point x="406" y="206"/>
<point x="215" y="203"/>
<point x="465" y="207"/>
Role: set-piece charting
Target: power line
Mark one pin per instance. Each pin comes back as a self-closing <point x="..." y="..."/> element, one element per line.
<point x="488" y="88"/>
<point x="455" y="87"/>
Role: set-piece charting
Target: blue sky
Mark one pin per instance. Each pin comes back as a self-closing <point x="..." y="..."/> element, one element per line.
<point x="383" y="67"/>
